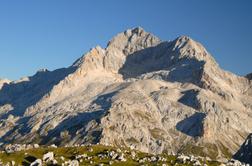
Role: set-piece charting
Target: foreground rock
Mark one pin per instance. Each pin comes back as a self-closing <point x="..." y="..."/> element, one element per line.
<point x="140" y="92"/>
<point x="19" y="147"/>
<point x="103" y="155"/>
<point x="37" y="162"/>
<point x="48" y="157"/>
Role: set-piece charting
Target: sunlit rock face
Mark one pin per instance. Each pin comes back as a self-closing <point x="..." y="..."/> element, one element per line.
<point x="155" y="96"/>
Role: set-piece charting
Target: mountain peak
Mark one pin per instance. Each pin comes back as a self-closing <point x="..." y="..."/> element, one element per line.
<point x="42" y="71"/>
<point x="136" y="30"/>
<point x="91" y="54"/>
<point x="184" y="38"/>
<point x="139" y="91"/>
<point x="135" y="52"/>
<point x="192" y="49"/>
<point x="133" y="40"/>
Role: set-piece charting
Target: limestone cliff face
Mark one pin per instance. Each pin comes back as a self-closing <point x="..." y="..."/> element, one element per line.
<point x="139" y="91"/>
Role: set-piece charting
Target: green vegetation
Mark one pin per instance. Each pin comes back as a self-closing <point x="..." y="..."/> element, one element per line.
<point x="209" y="150"/>
<point x="95" y="151"/>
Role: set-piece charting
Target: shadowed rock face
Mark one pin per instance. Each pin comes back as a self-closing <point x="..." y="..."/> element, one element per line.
<point x="244" y="154"/>
<point x="193" y="125"/>
<point x="249" y="76"/>
<point x="27" y="92"/>
<point x="139" y="91"/>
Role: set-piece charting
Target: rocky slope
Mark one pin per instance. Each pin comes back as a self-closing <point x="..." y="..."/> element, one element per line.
<point x="155" y="96"/>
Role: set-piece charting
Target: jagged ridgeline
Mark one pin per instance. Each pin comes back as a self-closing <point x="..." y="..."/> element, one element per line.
<point x="155" y="96"/>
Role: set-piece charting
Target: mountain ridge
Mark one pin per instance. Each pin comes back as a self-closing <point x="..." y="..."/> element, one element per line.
<point x="139" y="91"/>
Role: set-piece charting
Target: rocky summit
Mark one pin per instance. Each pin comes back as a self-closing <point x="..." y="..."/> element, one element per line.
<point x="140" y="92"/>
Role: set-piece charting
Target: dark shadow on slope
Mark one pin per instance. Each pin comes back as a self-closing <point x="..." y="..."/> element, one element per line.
<point x="244" y="154"/>
<point x="163" y="57"/>
<point x="147" y="60"/>
<point x="28" y="160"/>
<point x="193" y="125"/>
<point x="190" y="98"/>
<point x="21" y="128"/>
<point x="186" y="71"/>
<point x="81" y="121"/>
<point x="23" y="94"/>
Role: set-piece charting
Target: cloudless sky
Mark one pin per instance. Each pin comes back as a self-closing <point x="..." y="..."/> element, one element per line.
<point x="51" y="34"/>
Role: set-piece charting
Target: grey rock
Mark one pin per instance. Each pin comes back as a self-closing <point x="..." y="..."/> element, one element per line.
<point x="197" y="163"/>
<point x="74" y="163"/>
<point x="122" y="158"/>
<point x="36" y="145"/>
<point x="37" y="162"/>
<point x="13" y="148"/>
<point x="48" y="157"/>
<point x="13" y="163"/>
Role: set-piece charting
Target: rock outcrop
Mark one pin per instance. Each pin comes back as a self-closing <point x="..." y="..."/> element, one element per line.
<point x="152" y="95"/>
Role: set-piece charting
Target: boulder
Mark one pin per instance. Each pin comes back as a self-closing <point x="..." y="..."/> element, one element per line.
<point x="48" y="157"/>
<point x="37" y="162"/>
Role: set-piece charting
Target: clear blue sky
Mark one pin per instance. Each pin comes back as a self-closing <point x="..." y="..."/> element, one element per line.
<point x="52" y="34"/>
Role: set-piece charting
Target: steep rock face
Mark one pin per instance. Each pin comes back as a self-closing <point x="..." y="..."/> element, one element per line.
<point x="126" y="43"/>
<point x="139" y="91"/>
